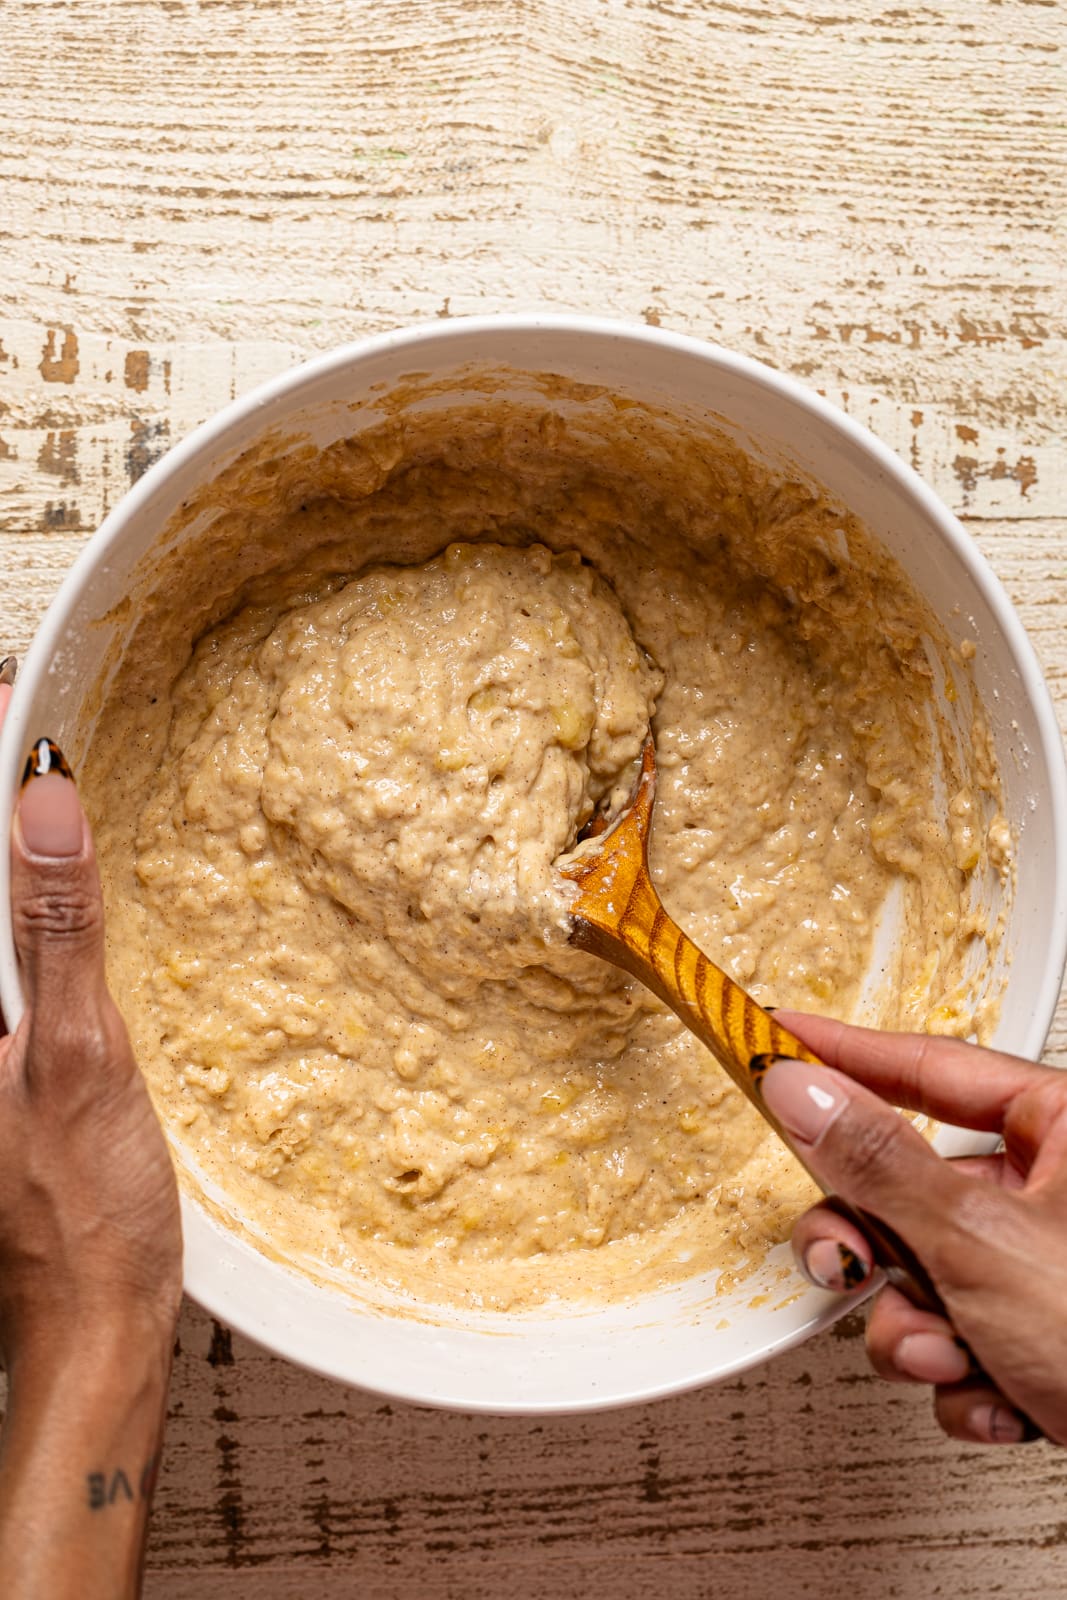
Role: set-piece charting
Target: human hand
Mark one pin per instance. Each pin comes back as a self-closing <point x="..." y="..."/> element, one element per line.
<point x="990" y="1230"/>
<point x="90" y="1235"/>
<point x="89" y="1224"/>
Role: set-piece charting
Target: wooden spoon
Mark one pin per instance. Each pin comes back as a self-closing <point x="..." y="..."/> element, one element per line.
<point x="618" y="915"/>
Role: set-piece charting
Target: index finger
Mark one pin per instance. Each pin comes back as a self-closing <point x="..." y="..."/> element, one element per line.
<point x="947" y="1079"/>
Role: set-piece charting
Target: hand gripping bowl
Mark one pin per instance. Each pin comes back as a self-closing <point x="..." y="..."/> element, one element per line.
<point x="554" y="1360"/>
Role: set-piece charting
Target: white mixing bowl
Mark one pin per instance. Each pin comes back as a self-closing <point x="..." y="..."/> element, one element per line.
<point x="687" y="1335"/>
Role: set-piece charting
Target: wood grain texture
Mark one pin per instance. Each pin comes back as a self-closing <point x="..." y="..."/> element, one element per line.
<point x="805" y="1477"/>
<point x="197" y="193"/>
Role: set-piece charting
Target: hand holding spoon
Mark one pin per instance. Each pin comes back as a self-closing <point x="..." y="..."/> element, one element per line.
<point x="618" y="915"/>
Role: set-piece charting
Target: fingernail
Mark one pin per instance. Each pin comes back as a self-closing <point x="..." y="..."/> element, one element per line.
<point x="50" y="814"/>
<point x="805" y="1099"/>
<point x="831" y="1265"/>
<point x="8" y="668"/>
<point x="932" y="1358"/>
<point x="45" y="757"/>
<point x="998" y="1424"/>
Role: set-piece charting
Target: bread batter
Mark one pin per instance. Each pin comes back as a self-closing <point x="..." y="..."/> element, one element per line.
<point x="329" y="789"/>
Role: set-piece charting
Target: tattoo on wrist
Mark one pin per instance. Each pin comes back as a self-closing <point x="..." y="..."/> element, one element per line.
<point x="105" y="1489"/>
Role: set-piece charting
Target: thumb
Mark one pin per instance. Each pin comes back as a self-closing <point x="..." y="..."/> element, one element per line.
<point x="861" y="1148"/>
<point x="55" y="892"/>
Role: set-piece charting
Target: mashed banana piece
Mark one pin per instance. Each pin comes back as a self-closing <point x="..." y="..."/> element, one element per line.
<point x="329" y="789"/>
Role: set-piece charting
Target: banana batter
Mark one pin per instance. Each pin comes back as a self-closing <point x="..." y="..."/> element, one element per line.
<point x="329" y="787"/>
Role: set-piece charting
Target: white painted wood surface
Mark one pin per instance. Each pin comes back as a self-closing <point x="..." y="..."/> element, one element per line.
<point x="194" y="193"/>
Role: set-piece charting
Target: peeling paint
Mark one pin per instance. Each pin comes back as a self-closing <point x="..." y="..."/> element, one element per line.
<point x="64" y="367"/>
<point x="970" y="471"/>
<point x="135" y="370"/>
<point x="148" y="441"/>
<point x="58" y="455"/>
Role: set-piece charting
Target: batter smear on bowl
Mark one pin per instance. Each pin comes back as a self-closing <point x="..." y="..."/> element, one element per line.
<point x="330" y="789"/>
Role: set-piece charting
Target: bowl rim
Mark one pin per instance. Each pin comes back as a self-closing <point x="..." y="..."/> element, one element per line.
<point x="281" y="389"/>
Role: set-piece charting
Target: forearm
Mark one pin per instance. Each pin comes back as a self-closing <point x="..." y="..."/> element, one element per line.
<point x="79" y="1455"/>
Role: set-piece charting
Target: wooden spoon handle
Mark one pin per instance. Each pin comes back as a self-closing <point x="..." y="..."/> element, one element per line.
<point x="646" y="942"/>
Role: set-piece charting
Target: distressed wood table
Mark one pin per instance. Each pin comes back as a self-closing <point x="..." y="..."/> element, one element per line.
<point x="195" y="194"/>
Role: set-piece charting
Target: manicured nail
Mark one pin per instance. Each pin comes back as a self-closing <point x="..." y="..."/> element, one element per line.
<point x="45" y="757"/>
<point x="932" y="1358"/>
<point x="1000" y="1425"/>
<point x="828" y="1264"/>
<point x="8" y="668"/>
<point x="805" y="1099"/>
<point x="50" y="814"/>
